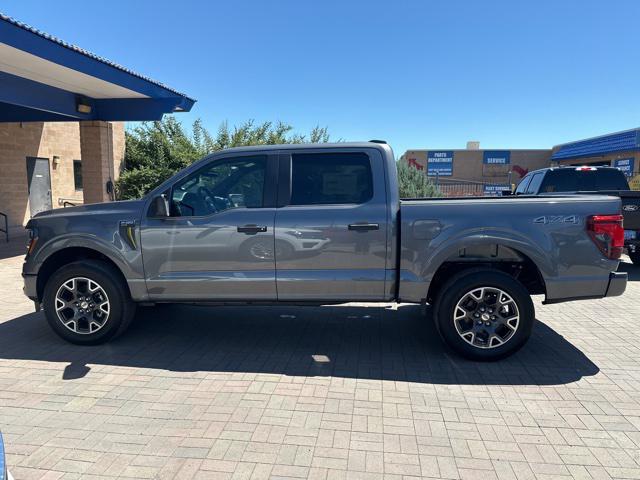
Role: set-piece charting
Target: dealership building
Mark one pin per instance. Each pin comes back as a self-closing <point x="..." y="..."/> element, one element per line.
<point x="61" y="121"/>
<point x="475" y="171"/>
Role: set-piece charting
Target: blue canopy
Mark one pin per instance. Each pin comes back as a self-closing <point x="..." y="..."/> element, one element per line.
<point x="43" y="78"/>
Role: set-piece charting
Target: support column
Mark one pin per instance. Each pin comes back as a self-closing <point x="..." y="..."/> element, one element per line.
<point x="102" y="152"/>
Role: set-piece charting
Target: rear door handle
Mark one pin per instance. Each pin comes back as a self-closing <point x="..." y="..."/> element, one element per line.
<point x="252" y="228"/>
<point x="363" y="227"/>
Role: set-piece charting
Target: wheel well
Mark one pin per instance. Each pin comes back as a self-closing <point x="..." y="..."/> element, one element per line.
<point x="68" y="255"/>
<point x="499" y="257"/>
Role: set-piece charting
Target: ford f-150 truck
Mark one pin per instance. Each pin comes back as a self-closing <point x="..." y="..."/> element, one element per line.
<point x="318" y="224"/>
<point x="591" y="180"/>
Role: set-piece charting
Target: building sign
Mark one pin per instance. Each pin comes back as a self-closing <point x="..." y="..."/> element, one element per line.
<point x="626" y="165"/>
<point x="496" y="157"/>
<point x="440" y="163"/>
<point x="495" y="189"/>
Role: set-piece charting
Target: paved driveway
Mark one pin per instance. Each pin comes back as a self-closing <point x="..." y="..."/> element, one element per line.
<point x="360" y="392"/>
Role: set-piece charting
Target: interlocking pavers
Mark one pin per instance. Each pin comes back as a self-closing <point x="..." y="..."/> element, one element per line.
<point x="195" y="392"/>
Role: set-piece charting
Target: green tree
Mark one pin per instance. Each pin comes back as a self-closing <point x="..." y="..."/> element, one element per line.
<point x="154" y="151"/>
<point x="414" y="183"/>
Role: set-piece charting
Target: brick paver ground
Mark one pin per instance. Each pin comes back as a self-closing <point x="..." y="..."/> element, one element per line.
<point x="361" y="392"/>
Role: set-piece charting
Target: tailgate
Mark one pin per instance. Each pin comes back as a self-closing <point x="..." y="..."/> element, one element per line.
<point x="630" y="206"/>
<point x="630" y="209"/>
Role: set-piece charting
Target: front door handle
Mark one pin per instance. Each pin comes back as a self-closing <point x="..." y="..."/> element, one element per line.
<point x="252" y="228"/>
<point x="363" y="227"/>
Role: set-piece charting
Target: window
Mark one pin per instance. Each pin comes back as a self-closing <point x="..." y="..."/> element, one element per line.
<point x="522" y="186"/>
<point x="331" y="178"/>
<point x="572" y="180"/>
<point x="77" y="175"/>
<point x="536" y="180"/>
<point x="219" y="186"/>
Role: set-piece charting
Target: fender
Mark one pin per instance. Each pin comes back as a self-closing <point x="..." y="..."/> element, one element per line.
<point x="415" y="281"/>
<point x="90" y="242"/>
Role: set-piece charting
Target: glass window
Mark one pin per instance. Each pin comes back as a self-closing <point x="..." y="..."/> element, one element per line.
<point x="331" y="178"/>
<point x="572" y="180"/>
<point x="534" y="185"/>
<point x="522" y="186"/>
<point x="219" y="186"/>
<point x="77" y="174"/>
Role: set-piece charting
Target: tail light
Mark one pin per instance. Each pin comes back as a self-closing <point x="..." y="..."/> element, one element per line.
<point x="607" y="233"/>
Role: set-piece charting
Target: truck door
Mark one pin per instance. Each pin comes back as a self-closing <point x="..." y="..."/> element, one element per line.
<point x="331" y="225"/>
<point x="218" y="242"/>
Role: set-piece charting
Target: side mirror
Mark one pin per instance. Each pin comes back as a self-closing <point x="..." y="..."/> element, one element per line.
<point x="159" y="206"/>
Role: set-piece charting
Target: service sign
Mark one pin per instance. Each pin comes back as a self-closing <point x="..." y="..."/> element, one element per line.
<point x="495" y="189"/>
<point x="440" y="163"/>
<point x="626" y="165"/>
<point x="496" y="157"/>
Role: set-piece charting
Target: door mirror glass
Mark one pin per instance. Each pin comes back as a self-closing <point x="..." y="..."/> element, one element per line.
<point x="159" y="206"/>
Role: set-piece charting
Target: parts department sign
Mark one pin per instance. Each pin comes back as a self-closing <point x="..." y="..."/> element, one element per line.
<point x="496" y="157"/>
<point x="440" y="163"/>
<point x="626" y="165"/>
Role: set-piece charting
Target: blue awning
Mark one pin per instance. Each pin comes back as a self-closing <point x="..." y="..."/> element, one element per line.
<point x="43" y="78"/>
<point x="613" y="142"/>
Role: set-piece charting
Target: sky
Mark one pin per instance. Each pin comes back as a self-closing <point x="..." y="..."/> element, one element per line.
<point x="418" y="74"/>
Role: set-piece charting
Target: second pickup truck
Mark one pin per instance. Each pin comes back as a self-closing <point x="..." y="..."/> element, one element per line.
<point x="318" y="224"/>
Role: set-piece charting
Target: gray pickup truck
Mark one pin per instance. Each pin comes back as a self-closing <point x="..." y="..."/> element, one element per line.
<point x="318" y="224"/>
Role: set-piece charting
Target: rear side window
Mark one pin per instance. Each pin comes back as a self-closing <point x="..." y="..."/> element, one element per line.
<point x="572" y="180"/>
<point x="330" y="178"/>
<point x="536" y="180"/>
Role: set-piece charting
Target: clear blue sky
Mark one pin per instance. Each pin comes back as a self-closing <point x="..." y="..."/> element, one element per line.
<point x="419" y="74"/>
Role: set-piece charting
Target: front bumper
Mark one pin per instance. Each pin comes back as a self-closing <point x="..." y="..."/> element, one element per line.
<point x="30" y="288"/>
<point x="617" y="284"/>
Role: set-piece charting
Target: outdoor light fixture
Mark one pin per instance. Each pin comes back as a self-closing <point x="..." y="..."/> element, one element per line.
<point x="56" y="161"/>
<point x="83" y="106"/>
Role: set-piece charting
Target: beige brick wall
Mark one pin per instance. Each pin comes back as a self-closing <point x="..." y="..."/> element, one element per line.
<point x="468" y="165"/>
<point x="46" y="140"/>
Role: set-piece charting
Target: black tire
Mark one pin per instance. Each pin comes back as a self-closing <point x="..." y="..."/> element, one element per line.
<point x="121" y="307"/>
<point x="635" y="258"/>
<point x="459" y="286"/>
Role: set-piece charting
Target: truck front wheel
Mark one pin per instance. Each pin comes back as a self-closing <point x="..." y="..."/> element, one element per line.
<point x="484" y="314"/>
<point x="87" y="303"/>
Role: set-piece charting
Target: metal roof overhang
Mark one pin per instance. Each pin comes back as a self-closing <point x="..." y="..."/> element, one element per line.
<point x="610" y="143"/>
<point x="45" y="79"/>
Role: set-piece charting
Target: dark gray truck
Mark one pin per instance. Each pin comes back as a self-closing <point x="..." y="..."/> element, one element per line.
<point x="318" y="224"/>
<point x="588" y="180"/>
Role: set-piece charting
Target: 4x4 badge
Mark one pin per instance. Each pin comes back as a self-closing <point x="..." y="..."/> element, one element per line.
<point x="551" y="219"/>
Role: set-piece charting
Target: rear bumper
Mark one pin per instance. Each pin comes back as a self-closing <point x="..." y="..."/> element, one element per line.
<point x="30" y="286"/>
<point x="617" y="284"/>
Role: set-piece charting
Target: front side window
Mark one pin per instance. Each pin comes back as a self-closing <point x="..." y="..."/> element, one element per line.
<point x="331" y="178"/>
<point x="219" y="186"/>
<point x="522" y="186"/>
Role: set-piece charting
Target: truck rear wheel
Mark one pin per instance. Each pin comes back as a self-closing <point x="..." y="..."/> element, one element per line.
<point x="484" y="314"/>
<point x="87" y="303"/>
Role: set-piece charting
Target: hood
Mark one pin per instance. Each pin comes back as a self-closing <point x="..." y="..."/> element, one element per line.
<point x="125" y="207"/>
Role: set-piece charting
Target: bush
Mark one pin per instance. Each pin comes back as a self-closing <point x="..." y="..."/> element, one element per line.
<point x="414" y="183"/>
<point x="154" y="151"/>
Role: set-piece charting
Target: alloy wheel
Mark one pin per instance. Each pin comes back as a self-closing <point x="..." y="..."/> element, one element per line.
<point x="82" y="305"/>
<point x="486" y="317"/>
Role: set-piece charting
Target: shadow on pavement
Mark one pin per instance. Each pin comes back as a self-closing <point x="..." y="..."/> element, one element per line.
<point x="358" y="342"/>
